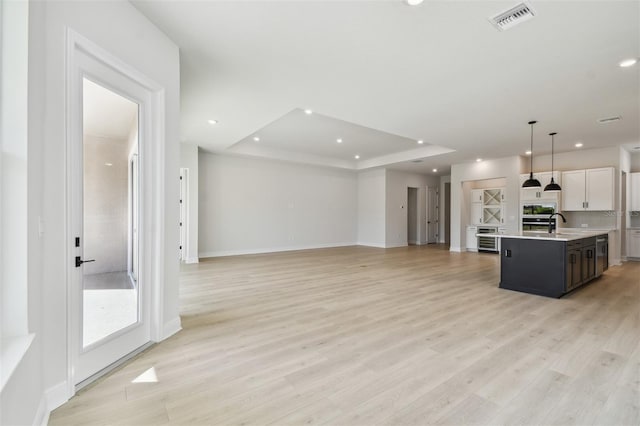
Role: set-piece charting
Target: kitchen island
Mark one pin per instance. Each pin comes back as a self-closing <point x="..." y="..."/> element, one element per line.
<point x="551" y="264"/>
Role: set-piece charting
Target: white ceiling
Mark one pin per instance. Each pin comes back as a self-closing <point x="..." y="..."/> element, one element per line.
<point x="106" y="113"/>
<point x="438" y="72"/>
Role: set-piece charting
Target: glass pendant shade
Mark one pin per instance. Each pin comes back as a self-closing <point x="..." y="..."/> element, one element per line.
<point x="531" y="182"/>
<point x="553" y="186"/>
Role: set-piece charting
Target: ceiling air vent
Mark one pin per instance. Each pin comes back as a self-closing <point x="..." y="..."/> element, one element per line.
<point x="609" y="120"/>
<point x="512" y="17"/>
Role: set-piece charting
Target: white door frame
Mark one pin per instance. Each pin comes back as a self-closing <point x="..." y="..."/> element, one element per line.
<point x="184" y="214"/>
<point x="132" y="213"/>
<point x="152" y="176"/>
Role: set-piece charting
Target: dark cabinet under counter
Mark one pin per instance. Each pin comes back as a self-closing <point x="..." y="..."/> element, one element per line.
<point x="547" y="266"/>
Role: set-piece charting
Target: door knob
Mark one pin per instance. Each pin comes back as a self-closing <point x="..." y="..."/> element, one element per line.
<point x="79" y="261"/>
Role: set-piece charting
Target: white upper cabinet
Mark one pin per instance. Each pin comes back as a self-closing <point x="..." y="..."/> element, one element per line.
<point x="538" y="194"/>
<point x="492" y="197"/>
<point x="634" y="203"/>
<point x="477" y="195"/>
<point x="591" y="189"/>
<point x="574" y="188"/>
<point x="600" y="189"/>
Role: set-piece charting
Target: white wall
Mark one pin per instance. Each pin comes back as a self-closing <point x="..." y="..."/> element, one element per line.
<point x="19" y="303"/>
<point x="579" y="159"/>
<point x="251" y="205"/>
<point x="508" y="168"/>
<point x="13" y="169"/>
<point x="397" y="183"/>
<point x="371" y="207"/>
<point x="137" y="42"/>
<point x="189" y="160"/>
<point x="105" y="204"/>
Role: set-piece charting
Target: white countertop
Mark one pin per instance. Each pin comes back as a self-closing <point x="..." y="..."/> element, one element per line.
<point x="562" y="236"/>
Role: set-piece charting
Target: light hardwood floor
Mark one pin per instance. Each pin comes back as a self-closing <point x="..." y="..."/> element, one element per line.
<point x="364" y="336"/>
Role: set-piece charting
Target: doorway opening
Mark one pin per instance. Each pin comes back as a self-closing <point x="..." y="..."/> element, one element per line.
<point x="623" y="209"/>
<point x="433" y="215"/>
<point x="447" y="213"/>
<point x="110" y="209"/>
<point x="412" y="216"/>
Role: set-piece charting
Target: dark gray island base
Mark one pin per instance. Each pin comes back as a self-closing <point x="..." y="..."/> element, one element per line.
<point x="551" y="265"/>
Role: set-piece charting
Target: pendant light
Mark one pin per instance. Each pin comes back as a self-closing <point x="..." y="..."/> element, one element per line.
<point x="552" y="187"/>
<point x="531" y="182"/>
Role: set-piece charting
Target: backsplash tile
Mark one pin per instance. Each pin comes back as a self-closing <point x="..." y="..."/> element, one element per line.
<point x="592" y="219"/>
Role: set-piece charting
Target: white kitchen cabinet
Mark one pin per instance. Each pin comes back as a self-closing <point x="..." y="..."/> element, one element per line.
<point x="600" y="189"/>
<point x="476" y="213"/>
<point x="538" y="194"/>
<point x="492" y="197"/>
<point x="477" y="195"/>
<point x="472" y="240"/>
<point x="487" y="206"/>
<point x="574" y="188"/>
<point x="633" y="243"/>
<point x="493" y="214"/>
<point x="590" y="190"/>
<point x="634" y="202"/>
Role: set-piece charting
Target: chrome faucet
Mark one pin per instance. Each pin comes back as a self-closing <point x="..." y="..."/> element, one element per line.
<point x="564" y="220"/>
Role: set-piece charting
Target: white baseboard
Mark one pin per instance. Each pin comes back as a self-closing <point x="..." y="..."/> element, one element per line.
<point x="171" y="327"/>
<point x="52" y="398"/>
<point x="378" y="245"/>
<point x="57" y="395"/>
<point x="192" y="260"/>
<point x="395" y="245"/>
<point x="456" y="249"/>
<point x="221" y="253"/>
<point x="42" y="414"/>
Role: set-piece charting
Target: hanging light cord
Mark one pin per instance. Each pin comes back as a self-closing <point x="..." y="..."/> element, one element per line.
<point x="531" y="159"/>
<point x="552" y="134"/>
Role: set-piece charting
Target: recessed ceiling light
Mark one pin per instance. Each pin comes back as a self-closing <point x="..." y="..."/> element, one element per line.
<point x="414" y="2"/>
<point x="420" y="141"/>
<point x="478" y="160"/>
<point x="357" y="157"/>
<point x="435" y="170"/>
<point x="257" y="139"/>
<point x="528" y="152"/>
<point x="579" y="145"/>
<point x="628" y="62"/>
<point x="308" y="111"/>
<point x="212" y="121"/>
<point x="339" y="140"/>
<point x="108" y="164"/>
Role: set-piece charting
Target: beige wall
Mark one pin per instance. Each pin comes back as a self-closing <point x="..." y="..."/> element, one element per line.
<point x="105" y="204"/>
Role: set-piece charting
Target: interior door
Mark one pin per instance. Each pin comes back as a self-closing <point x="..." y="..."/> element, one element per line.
<point x="432" y="215"/>
<point x="109" y="307"/>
